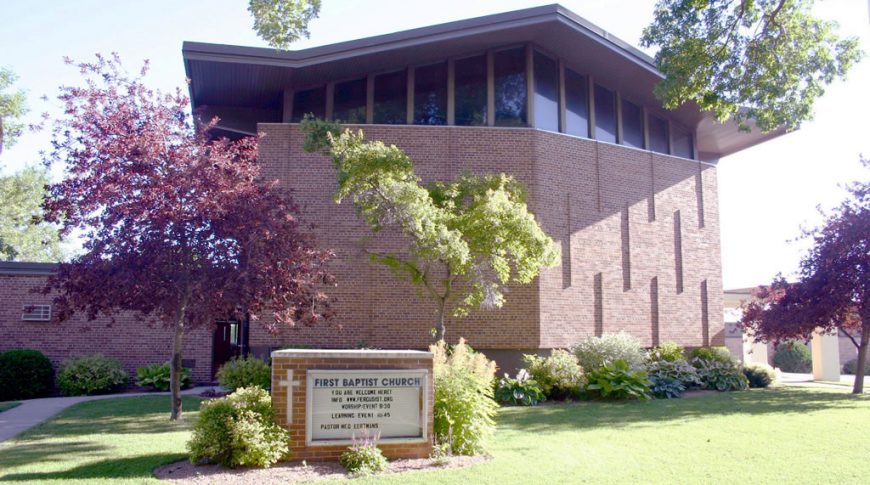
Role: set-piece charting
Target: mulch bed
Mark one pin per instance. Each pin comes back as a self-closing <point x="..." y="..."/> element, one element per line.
<point x="293" y="471"/>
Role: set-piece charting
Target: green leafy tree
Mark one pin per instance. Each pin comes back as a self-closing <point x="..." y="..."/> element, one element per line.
<point x="765" y="60"/>
<point x="467" y="238"/>
<point x="12" y="108"/>
<point x="282" y="22"/>
<point x="21" y="236"/>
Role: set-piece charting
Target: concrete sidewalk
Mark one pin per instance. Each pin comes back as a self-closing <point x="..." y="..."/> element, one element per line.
<point x="32" y="412"/>
<point x="806" y="380"/>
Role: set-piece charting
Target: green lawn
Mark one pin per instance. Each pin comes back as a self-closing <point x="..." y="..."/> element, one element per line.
<point x="109" y="441"/>
<point x="791" y="435"/>
<point x="8" y="405"/>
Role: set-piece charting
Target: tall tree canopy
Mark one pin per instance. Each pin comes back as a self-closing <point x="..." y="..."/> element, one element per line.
<point x="282" y="22"/>
<point x="177" y="227"/>
<point x="12" y="107"/>
<point x="765" y="60"/>
<point x="22" y="236"/>
<point x="467" y="238"/>
<point x="833" y="292"/>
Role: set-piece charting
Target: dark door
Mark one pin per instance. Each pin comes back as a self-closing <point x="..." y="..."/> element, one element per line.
<point x="226" y="343"/>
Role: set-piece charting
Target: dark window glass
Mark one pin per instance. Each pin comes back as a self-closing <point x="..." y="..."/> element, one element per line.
<point x="391" y="98"/>
<point x="510" y="87"/>
<point x="658" y="134"/>
<point x="430" y="95"/>
<point x="546" y="93"/>
<point x="632" y="125"/>
<point x="312" y="101"/>
<point x="470" y="91"/>
<point x="605" y="115"/>
<point x="683" y="143"/>
<point x="349" y="105"/>
<point x="576" y="106"/>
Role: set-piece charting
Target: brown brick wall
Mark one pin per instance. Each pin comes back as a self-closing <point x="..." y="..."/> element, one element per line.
<point x="133" y="341"/>
<point x="296" y="425"/>
<point x="595" y="195"/>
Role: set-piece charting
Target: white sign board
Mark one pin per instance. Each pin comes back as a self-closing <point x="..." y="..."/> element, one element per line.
<point x="345" y="404"/>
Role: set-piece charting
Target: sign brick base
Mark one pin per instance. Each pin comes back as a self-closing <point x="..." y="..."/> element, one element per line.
<point x="327" y="398"/>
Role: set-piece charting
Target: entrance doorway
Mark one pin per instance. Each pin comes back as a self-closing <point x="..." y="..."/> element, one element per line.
<point x="227" y="343"/>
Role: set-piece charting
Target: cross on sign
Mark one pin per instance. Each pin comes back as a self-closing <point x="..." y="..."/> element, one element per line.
<point x="289" y="383"/>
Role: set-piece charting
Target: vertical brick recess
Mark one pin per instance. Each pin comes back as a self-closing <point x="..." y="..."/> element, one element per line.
<point x="300" y="361"/>
<point x="678" y="251"/>
<point x="626" y="251"/>
<point x="705" y="314"/>
<point x="654" y="310"/>
<point x="598" y="289"/>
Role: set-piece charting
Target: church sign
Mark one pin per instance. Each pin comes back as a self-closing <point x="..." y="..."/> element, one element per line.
<point x="327" y="399"/>
<point x="343" y="404"/>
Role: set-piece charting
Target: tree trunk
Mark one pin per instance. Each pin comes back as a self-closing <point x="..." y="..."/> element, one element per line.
<point x="175" y="364"/>
<point x="858" y="387"/>
<point x="440" y="330"/>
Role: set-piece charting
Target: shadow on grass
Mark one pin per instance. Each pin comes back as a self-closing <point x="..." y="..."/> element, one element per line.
<point x="655" y="413"/>
<point x="24" y="453"/>
<point x="134" y="467"/>
<point x="129" y="415"/>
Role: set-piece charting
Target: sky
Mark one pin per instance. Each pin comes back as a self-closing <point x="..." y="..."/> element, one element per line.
<point x="766" y="193"/>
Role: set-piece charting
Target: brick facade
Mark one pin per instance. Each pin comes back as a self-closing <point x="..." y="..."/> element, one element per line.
<point x="639" y="234"/>
<point x="133" y="341"/>
<point x="638" y="231"/>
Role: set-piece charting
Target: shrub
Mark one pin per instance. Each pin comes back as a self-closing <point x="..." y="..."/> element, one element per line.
<point x="245" y="372"/>
<point x="721" y="376"/>
<point x="617" y="380"/>
<point x="713" y="354"/>
<point x="852" y="366"/>
<point x="759" y="375"/>
<point x="793" y="357"/>
<point x="521" y="391"/>
<point x="92" y="374"/>
<point x="464" y="405"/>
<point x="156" y="376"/>
<point x="595" y="352"/>
<point x="238" y="430"/>
<point x="24" y="374"/>
<point x="667" y="352"/>
<point x="671" y="378"/>
<point x="363" y="458"/>
<point x="558" y="375"/>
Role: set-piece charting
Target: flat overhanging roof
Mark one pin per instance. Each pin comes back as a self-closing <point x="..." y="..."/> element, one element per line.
<point x="254" y="79"/>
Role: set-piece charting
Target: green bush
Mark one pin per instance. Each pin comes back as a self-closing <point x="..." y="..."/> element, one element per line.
<point x="713" y="354"/>
<point x="238" y="430"/>
<point x="24" y="374"/>
<point x="595" y="352"/>
<point x="671" y="378"/>
<point x="363" y="458"/>
<point x="92" y="374"/>
<point x="759" y="375"/>
<point x="852" y="366"/>
<point x="464" y="404"/>
<point x="721" y="376"/>
<point x="667" y="352"/>
<point x="156" y="376"/>
<point x="558" y="375"/>
<point x="617" y="380"/>
<point x="522" y="391"/>
<point x="793" y="357"/>
<point x="245" y="372"/>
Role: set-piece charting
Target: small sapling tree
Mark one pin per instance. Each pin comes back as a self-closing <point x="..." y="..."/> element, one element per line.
<point x="467" y="238"/>
<point x="176" y="226"/>
<point x="833" y="292"/>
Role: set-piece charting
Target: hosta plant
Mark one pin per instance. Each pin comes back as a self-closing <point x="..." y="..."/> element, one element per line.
<point x="671" y="378"/>
<point x="617" y="380"/>
<point x="721" y="376"/>
<point x="156" y="376"/>
<point x="522" y="391"/>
